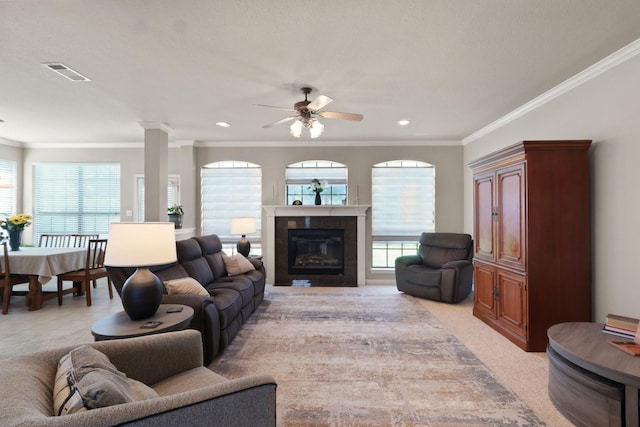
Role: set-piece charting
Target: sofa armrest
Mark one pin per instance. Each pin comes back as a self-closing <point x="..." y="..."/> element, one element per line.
<point x="247" y="401"/>
<point x="457" y="280"/>
<point x="141" y="357"/>
<point x="458" y="264"/>
<point x="407" y="260"/>
<point x="206" y="319"/>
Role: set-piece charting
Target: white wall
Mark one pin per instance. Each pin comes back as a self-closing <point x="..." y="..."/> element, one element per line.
<point x="605" y="110"/>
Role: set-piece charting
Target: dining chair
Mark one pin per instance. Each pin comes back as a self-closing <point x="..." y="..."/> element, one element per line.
<point x="8" y="280"/>
<point x="49" y="240"/>
<point x="82" y="240"/>
<point x="93" y="270"/>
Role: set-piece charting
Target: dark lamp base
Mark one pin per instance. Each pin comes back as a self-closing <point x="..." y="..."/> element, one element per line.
<point x="243" y="246"/>
<point x="141" y="294"/>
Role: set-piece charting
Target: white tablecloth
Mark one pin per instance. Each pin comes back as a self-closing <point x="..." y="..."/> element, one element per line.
<point x="46" y="262"/>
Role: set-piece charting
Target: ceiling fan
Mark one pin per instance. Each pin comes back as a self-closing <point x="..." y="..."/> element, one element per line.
<point x="306" y="112"/>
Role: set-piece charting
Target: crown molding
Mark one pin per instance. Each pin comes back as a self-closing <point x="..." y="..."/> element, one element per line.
<point x="626" y="53"/>
<point x="11" y="142"/>
<point x="156" y="125"/>
<point x="323" y="143"/>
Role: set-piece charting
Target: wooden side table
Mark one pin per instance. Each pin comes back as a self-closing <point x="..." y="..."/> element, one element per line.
<point x="168" y="318"/>
<point x="590" y="381"/>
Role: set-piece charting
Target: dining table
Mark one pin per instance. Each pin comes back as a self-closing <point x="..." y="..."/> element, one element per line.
<point x="41" y="264"/>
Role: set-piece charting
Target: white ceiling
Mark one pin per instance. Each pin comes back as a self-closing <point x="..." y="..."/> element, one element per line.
<point x="449" y="66"/>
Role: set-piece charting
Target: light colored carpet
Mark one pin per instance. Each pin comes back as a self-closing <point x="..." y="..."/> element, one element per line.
<point x="367" y="356"/>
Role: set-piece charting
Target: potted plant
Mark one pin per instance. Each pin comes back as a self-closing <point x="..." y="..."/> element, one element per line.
<point x="317" y="186"/>
<point x="15" y="225"/>
<point x="175" y="213"/>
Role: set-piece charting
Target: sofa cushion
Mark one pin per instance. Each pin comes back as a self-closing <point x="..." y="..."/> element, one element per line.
<point x="86" y="379"/>
<point x="237" y="264"/>
<point x="212" y="251"/>
<point x="185" y="285"/>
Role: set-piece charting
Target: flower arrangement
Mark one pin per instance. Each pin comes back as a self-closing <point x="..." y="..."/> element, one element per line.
<point x="317" y="186"/>
<point x="16" y="222"/>
<point x="175" y="210"/>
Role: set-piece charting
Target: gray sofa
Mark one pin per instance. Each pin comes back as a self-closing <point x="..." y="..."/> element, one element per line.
<point x="170" y="363"/>
<point x="442" y="270"/>
<point x="232" y="299"/>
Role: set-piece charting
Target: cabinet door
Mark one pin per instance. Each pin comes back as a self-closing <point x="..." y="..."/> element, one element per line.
<point x="484" y="281"/>
<point x="484" y="216"/>
<point x="512" y="302"/>
<point x="510" y="189"/>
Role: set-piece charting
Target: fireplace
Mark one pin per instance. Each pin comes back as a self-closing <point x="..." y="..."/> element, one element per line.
<point x="318" y="252"/>
<point x="350" y="218"/>
<point x="321" y="251"/>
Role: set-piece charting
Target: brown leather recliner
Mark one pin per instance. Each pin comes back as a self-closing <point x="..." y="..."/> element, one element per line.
<point x="441" y="271"/>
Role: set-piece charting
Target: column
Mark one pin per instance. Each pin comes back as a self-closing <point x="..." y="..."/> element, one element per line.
<point x="156" y="169"/>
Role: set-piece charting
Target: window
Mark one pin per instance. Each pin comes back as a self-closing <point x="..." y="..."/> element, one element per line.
<point x="231" y="189"/>
<point x="403" y="207"/>
<point x="299" y="176"/>
<point x="75" y="197"/>
<point x="8" y="195"/>
<point x="173" y="194"/>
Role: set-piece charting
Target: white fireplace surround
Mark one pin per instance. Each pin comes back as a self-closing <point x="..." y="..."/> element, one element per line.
<point x="359" y="211"/>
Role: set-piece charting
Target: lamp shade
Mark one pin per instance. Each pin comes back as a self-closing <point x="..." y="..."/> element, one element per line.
<point x="141" y="244"/>
<point x="243" y="226"/>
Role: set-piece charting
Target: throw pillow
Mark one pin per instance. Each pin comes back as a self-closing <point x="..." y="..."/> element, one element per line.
<point x="185" y="285"/>
<point x="236" y="264"/>
<point x="86" y="379"/>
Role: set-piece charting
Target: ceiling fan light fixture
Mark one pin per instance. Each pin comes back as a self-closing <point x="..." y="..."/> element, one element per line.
<point x="296" y="128"/>
<point x="315" y="129"/>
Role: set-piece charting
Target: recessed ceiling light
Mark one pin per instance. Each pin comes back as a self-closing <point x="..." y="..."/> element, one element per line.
<point x="403" y="122"/>
<point x="223" y="124"/>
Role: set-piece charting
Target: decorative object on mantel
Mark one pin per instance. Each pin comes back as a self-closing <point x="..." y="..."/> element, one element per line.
<point x="175" y="213"/>
<point x="243" y="226"/>
<point x="297" y="203"/>
<point x="15" y="225"/>
<point x="317" y="187"/>
<point x="141" y="245"/>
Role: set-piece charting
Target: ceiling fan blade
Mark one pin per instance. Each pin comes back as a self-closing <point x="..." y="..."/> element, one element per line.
<point x="277" y="122"/>
<point x="277" y="108"/>
<point x="319" y="102"/>
<point x="343" y="116"/>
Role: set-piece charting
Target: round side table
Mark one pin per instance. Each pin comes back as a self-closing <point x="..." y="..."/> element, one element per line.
<point x="168" y="318"/>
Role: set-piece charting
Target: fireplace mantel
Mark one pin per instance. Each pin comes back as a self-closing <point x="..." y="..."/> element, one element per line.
<point x="273" y="211"/>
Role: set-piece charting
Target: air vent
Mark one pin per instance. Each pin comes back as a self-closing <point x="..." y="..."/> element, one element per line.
<point x="66" y="72"/>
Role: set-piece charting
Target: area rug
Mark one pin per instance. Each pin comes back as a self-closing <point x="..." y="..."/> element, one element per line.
<point x="368" y="356"/>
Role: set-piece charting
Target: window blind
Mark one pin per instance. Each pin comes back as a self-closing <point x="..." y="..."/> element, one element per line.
<point x="402" y="199"/>
<point x="75" y="197"/>
<point x="173" y="194"/>
<point x="8" y="195"/>
<point x="229" y="190"/>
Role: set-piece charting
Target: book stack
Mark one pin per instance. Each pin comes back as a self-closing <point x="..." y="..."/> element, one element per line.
<point x="621" y="326"/>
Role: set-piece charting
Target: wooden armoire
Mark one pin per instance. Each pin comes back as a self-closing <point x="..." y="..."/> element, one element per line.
<point x="532" y="261"/>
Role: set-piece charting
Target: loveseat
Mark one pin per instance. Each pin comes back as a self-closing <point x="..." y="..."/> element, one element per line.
<point x="179" y="389"/>
<point x="442" y="270"/>
<point x="230" y="301"/>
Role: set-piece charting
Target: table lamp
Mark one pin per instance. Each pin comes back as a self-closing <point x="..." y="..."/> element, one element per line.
<point x="243" y="226"/>
<point x="141" y="245"/>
